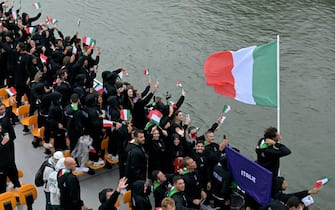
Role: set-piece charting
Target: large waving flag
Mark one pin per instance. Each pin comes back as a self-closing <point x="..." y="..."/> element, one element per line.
<point x="250" y="177"/>
<point x="248" y="75"/>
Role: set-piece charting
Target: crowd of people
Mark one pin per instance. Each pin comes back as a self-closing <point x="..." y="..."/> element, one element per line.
<point x="183" y="169"/>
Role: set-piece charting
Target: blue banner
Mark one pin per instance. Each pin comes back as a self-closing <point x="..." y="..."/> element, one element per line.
<point x="250" y="177"/>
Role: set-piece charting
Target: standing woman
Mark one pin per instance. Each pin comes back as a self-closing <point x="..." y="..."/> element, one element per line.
<point x="157" y="150"/>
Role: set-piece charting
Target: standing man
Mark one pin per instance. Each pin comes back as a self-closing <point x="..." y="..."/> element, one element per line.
<point x="7" y="160"/>
<point x="269" y="151"/>
<point x="137" y="162"/>
<point x="177" y="194"/>
<point x="69" y="187"/>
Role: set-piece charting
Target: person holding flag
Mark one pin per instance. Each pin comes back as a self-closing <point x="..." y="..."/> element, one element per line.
<point x="27" y="20"/>
<point x="280" y="185"/>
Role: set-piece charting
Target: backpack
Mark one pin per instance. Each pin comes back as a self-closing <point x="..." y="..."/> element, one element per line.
<point x="39" y="182"/>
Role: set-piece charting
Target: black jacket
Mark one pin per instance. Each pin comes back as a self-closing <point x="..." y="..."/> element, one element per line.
<point x="269" y="156"/>
<point x="136" y="165"/>
<point x="69" y="190"/>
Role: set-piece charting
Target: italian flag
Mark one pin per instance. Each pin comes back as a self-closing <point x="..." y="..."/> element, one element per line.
<point x="248" y="75"/>
<point x="37" y="5"/>
<point x="51" y="20"/>
<point x="321" y="182"/>
<point x="43" y="58"/>
<point x="74" y="49"/>
<point x="125" y="114"/>
<point x="30" y="30"/>
<point x="14" y="15"/>
<point x="226" y="108"/>
<point x="99" y="88"/>
<point x="179" y="84"/>
<point x="146" y="72"/>
<point x="11" y="91"/>
<point x="173" y="104"/>
<point x="155" y="116"/>
<point x="107" y="123"/>
<point x="122" y="73"/>
<point x="88" y="41"/>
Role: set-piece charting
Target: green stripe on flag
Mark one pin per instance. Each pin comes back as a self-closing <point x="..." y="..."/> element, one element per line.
<point x="265" y="74"/>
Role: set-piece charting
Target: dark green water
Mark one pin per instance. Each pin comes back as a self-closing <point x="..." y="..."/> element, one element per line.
<point x="173" y="38"/>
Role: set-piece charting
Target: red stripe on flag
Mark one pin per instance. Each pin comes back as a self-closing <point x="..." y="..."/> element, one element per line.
<point x="218" y="71"/>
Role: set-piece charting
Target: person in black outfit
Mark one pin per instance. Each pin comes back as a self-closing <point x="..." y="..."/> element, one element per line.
<point x="202" y="164"/>
<point x="69" y="187"/>
<point x="156" y="150"/>
<point x="161" y="185"/>
<point x="213" y="151"/>
<point x="178" y="195"/>
<point x="74" y="117"/>
<point x="193" y="187"/>
<point x="140" y="192"/>
<point x="108" y="196"/>
<point x="220" y="182"/>
<point x="280" y="185"/>
<point x="137" y="162"/>
<point x="269" y="151"/>
<point x="7" y="160"/>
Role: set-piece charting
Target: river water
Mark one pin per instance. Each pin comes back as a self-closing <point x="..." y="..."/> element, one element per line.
<point x="174" y="38"/>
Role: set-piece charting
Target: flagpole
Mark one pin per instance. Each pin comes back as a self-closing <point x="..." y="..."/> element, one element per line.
<point x="278" y="87"/>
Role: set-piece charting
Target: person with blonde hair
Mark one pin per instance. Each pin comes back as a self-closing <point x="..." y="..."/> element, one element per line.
<point x="168" y="204"/>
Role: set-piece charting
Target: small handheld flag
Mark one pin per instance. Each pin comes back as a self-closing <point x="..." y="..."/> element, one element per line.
<point x="226" y="108"/>
<point x="99" y="88"/>
<point x="11" y="91"/>
<point x="179" y="84"/>
<point x="107" y="123"/>
<point x="37" y="5"/>
<point x="30" y="30"/>
<point x="155" y="116"/>
<point x="125" y="114"/>
<point x="14" y="15"/>
<point x="146" y="72"/>
<point x="223" y="119"/>
<point x="89" y="41"/>
<point x="43" y="58"/>
<point x="122" y="73"/>
<point x="319" y="183"/>
<point x="51" y="20"/>
<point x="78" y="22"/>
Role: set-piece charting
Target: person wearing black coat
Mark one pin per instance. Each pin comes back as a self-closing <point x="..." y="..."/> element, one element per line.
<point x="221" y="180"/>
<point x="212" y="152"/>
<point x="193" y="187"/>
<point x="280" y="185"/>
<point x="156" y="150"/>
<point x="139" y="118"/>
<point x="69" y="187"/>
<point x="202" y="164"/>
<point x="140" y="192"/>
<point x="108" y="196"/>
<point x="137" y="162"/>
<point x="178" y="195"/>
<point x="93" y="123"/>
<point x="7" y="154"/>
<point x="269" y="150"/>
<point x="161" y="185"/>
<point x="74" y="120"/>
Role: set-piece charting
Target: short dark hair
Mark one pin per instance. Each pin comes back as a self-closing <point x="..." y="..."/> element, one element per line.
<point x="270" y="133"/>
<point x="154" y="174"/>
<point x="293" y="201"/>
<point x="138" y="131"/>
<point x="176" y="178"/>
